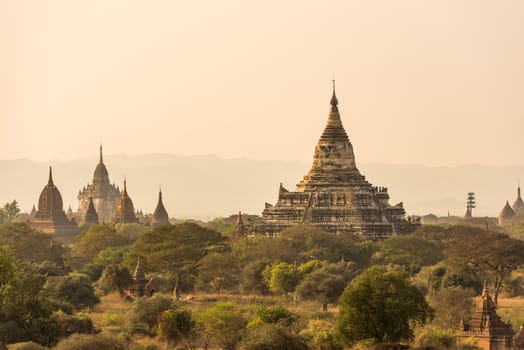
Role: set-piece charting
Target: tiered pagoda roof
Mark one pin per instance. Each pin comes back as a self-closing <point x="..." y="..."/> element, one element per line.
<point x="486" y="326"/>
<point x="334" y="194"/>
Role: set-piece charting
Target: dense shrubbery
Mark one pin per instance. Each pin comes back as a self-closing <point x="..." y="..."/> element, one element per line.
<point x="279" y="285"/>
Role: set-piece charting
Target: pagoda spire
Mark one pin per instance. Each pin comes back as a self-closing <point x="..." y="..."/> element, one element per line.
<point x="239" y="230"/>
<point x="91" y="216"/>
<point x="50" y="181"/>
<point x="101" y="156"/>
<point x="160" y="216"/>
<point x="518" y="205"/>
<point x="125" y="187"/>
<point x="334" y="100"/>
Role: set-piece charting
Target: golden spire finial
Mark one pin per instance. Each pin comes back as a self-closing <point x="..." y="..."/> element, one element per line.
<point x="101" y="157"/>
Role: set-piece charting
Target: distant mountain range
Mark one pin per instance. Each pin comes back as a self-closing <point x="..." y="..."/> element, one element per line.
<point x="207" y="186"/>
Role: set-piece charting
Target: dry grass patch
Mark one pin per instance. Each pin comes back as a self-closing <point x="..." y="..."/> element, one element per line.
<point x="512" y="308"/>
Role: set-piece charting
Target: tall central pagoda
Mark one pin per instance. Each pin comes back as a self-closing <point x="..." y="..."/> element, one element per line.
<point x="104" y="195"/>
<point x="335" y="195"/>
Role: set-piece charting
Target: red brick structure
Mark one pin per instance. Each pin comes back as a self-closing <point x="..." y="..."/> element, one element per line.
<point x="486" y="327"/>
<point x="51" y="217"/>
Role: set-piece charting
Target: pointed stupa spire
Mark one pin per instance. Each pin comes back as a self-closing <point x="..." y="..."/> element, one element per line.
<point x="91" y="216"/>
<point x="138" y="275"/>
<point x="239" y="228"/>
<point x="160" y="216"/>
<point x="125" y="186"/>
<point x="518" y="204"/>
<point x="139" y="280"/>
<point x="506" y="213"/>
<point x="334" y="100"/>
<point x="101" y="161"/>
<point x="50" y="181"/>
<point x="334" y="130"/>
<point x="333" y="160"/>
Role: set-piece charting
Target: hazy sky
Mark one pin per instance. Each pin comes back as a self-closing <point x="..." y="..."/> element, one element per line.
<point x="432" y="82"/>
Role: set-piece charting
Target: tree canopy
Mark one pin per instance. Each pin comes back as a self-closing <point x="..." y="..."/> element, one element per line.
<point x="382" y="305"/>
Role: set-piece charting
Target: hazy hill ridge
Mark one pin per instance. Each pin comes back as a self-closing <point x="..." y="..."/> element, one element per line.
<point x="208" y="186"/>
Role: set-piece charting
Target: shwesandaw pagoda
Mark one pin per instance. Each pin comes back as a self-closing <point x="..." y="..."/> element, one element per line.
<point x="335" y="195"/>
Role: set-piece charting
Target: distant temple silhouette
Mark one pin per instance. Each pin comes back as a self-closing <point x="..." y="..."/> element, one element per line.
<point x="50" y="216"/>
<point x="508" y="211"/>
<point x="104" y="195"/>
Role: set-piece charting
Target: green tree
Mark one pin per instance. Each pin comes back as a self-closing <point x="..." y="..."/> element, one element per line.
<point x="87" y="245"/>
<point x="251" y="278"/>
<point x="115" y="278"/>
<point x="177" y="250"/>
<point x="281" y="278"/>
<point x="410" y="252"/>
<point x="450" y="305"/>
<point x="90" y="342"/>
<point x="218" y="271"/>
<point x="32" y="246"/>
<point x="382" y="305"/>
<point x="276" y="314"/>
<point x="8" y="266"/>
<point x="131" y="231"/>
<point x="25" y="313"/>
<point x="147" y="310"/>
<point x="70" y="324"/>
<point x="310" y="241"/>
<point x="177" y="326"/>
<point x="322" y="286"/>
<point x="435" y="337"/>
<point x="223" y="324"/>
<point x="8" y="212"/>
<point x="105" y="257"/>
<point x="320" y="335"/>
<point x="271" y="337"/>
<point x="472" y="255"/>
<point x="74" y="290"/>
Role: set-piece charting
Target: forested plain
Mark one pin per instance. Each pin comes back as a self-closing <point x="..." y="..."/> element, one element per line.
<point x="303" y="289"/>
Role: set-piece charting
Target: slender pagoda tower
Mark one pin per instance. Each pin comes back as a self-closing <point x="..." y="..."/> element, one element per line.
<point x="104" y="194"/>
<point x="160" y="216"/>
<point x="239" y="230"/>
<point x="335" y="195"/>
<point x="518" y="205"/>
<point x="137" y="288"/>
